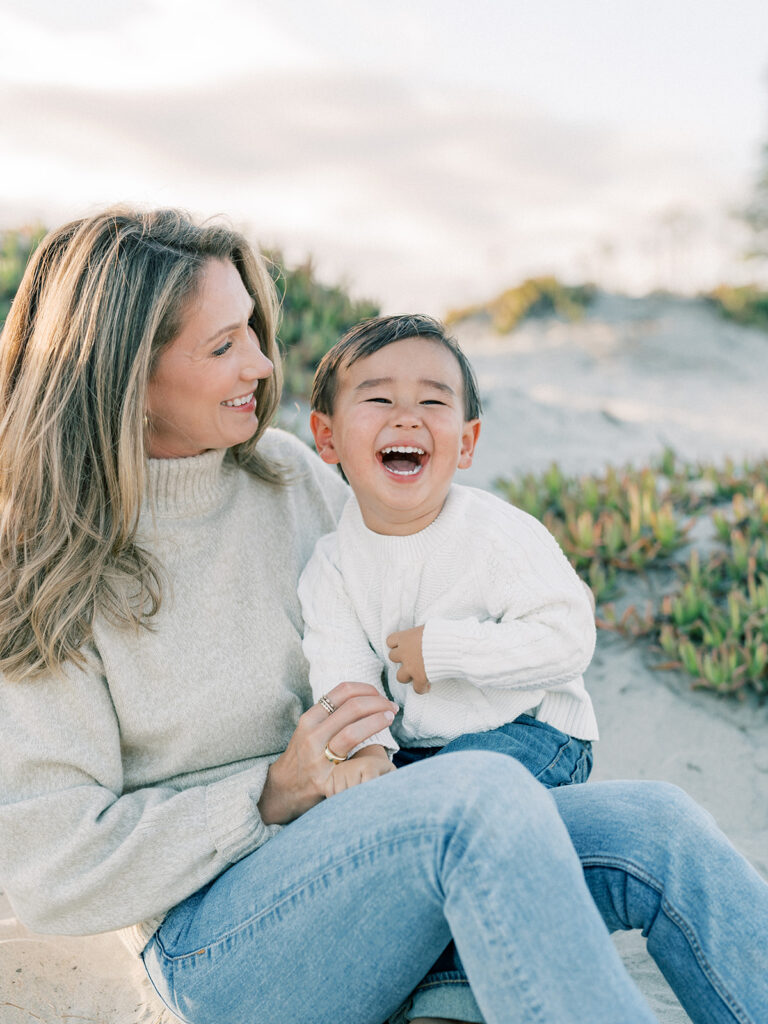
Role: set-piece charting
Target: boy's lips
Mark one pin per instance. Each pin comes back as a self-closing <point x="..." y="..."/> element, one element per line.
<point x="403" y="460"/>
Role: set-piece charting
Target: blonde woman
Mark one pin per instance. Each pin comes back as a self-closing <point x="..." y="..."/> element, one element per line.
<point x="162" y="768"/>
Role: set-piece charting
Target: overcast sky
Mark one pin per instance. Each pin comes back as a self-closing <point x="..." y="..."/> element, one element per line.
<point x="428" y="152"/>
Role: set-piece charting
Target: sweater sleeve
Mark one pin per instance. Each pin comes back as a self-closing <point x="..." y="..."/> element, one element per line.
<point x="540" y="630"/>
<point x="80" y="854"/>
<point x="335" y="643"/>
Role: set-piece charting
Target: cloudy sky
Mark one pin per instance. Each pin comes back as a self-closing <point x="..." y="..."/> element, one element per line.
<point x="427" y="152"/>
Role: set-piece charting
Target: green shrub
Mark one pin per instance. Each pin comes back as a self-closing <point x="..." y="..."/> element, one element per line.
<point x="537" y="296"/>
<point x="745" y="304"/>
<point x="314" y="316"/>
<point x="15" y="249"/>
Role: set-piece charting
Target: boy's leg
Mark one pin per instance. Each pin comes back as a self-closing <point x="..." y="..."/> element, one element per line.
<point x="553" y="757"/>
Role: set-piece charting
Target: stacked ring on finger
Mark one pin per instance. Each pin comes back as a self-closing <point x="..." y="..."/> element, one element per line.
<point x="334" y="758"/>
<point x="329" y="706"/>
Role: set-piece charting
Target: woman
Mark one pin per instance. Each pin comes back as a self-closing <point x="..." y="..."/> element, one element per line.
<point x="160" y="770"/>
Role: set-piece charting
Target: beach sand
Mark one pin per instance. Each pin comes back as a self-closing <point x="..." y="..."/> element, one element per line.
<point x="633" y="376"/>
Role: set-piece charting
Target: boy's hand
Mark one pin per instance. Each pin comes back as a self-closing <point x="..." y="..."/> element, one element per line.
<point x="405" y="650"/>
<point x="368" y="763"/>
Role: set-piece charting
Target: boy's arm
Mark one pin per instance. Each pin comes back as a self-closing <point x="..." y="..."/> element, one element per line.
<point x="335" y="643"/>
<point x="543" y="630"/>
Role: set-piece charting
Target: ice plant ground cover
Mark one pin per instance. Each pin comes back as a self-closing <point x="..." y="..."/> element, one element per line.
<point x="701" y="527"/>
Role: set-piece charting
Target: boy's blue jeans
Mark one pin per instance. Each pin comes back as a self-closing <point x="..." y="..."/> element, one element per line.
<point x="339" y="918"/>
<point x="553" y="757"/>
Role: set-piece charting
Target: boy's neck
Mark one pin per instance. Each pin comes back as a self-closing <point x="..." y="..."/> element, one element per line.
<point x="390" y="523"/>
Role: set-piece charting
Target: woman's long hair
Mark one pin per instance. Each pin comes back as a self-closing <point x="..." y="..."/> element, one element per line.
<point x="99" y="301"/>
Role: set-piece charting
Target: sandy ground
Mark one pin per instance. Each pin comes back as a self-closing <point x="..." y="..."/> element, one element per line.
<point x="631" y="377"/>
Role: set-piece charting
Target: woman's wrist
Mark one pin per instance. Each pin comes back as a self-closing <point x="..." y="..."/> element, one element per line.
<point x="282" y="800"/>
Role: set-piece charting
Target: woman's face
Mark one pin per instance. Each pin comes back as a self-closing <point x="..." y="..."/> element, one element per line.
<point x="202" y="392"/>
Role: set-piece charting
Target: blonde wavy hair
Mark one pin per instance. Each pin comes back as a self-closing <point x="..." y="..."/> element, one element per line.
<point x="99" y="301"/>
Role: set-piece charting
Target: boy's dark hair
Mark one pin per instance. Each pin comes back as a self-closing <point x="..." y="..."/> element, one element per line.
<point x="368" y="337"/>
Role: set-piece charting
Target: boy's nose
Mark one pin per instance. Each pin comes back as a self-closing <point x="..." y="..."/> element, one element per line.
<point x="406" y="418"/>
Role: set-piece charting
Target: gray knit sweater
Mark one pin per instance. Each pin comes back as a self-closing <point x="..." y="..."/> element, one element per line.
<point x="126" y="787"/>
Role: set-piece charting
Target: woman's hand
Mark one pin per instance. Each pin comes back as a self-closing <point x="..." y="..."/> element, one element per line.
<point x="302" y="776"/>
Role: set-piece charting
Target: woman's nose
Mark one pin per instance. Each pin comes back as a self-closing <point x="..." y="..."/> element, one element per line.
<point x="256" y="366"/>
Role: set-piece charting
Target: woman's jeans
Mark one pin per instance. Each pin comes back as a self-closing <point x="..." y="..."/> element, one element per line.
<point x="339" y="917"/>
<point x="551" y="756"/>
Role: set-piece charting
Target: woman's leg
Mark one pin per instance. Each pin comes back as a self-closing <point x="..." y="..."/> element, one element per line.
<point x="339" y="916"/>
<point x="654" y="860"/>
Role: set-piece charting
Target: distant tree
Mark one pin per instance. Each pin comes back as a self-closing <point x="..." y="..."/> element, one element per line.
<point x="756" y="213"/>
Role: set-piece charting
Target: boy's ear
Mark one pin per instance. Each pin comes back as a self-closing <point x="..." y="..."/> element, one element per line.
<point x="469" y="436"/>
<point x="322" y="431"/>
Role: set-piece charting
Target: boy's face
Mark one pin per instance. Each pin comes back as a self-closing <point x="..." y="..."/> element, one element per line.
<point x="408" y="395"/>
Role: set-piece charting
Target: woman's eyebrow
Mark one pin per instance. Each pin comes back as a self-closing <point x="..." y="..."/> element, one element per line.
<point x="229" y="327"/>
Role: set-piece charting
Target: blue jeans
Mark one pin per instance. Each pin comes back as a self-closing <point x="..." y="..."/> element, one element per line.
<point x="551" y="756"/>
<point x="339" y="917"/>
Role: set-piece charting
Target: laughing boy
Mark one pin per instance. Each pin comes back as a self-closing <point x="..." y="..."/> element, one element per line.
<point x="460" y="605"/>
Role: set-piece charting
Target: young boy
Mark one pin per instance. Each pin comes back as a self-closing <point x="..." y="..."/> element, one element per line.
<point x="465" y="603"/>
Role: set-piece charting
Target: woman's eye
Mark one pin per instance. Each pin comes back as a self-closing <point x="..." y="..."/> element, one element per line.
<point x="224" y="348"/>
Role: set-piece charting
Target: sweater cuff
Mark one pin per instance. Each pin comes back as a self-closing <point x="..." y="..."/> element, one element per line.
<point x="232" y="817"/>
<point x="442" y="648"/>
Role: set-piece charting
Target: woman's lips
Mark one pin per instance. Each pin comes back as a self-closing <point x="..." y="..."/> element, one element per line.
<point x="245" y="403"/>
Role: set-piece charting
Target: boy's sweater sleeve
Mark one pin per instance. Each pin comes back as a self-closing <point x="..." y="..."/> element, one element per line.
<point x="539" y="630"/>
<point x="71" y="834"/>
<point x="335" y="643"/>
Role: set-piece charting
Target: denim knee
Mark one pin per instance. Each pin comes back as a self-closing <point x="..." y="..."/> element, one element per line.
<point x="478" y="790"/>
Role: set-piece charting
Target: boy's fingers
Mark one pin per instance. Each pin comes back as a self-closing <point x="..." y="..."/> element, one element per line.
<point x="393" y="640"/>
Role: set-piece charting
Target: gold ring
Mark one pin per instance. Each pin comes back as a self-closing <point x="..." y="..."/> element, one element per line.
<point x="327" y="704"/>
<point x="333" y="758"/>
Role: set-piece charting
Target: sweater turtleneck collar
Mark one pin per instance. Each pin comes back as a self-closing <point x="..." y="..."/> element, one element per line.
<point x="414" y="545"/>
<point x="184" y="487"/>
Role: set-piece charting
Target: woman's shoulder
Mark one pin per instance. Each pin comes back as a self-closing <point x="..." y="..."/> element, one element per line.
<point x="302" y="468"/>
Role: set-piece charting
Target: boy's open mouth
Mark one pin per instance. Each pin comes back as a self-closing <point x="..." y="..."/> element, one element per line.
<point x="403" y="460"/>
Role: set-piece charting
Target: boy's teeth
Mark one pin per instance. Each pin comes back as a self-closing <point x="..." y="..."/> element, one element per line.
<point x="403" y="450"/>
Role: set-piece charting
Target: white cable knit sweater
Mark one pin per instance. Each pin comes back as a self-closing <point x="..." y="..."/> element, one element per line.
<point x="127" y="786"/>
<point x="508" y="625"/>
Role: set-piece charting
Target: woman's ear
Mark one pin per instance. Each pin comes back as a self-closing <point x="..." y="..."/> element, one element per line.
<point x="322" y="431"/>
<point x="469" y="436"/>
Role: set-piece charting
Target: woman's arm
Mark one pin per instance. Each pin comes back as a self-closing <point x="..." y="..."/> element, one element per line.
<point x="81" y="855"/>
